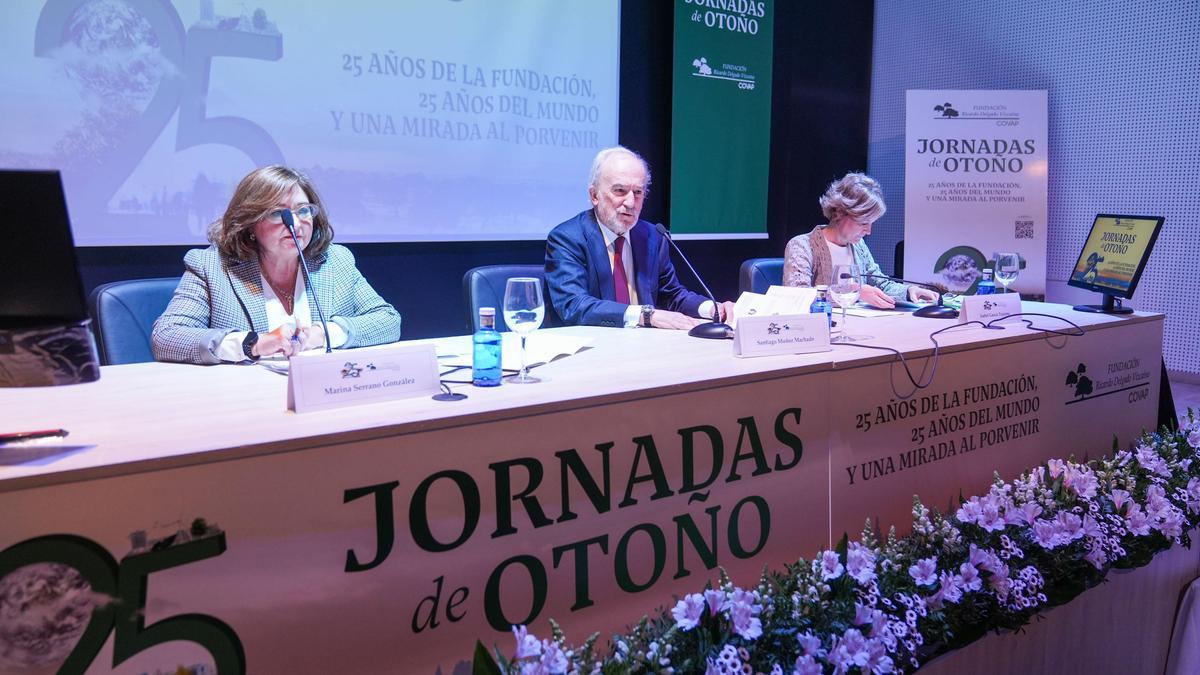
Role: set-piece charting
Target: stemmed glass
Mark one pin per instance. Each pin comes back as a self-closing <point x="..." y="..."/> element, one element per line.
<point x="523" y="312"/>
<point x="845" y="286"/>
<point x="1008" y="266"/>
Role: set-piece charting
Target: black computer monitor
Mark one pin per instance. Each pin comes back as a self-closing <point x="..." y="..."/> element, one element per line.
<point x="39" y="274"/>
<point x="1113" y="259"/>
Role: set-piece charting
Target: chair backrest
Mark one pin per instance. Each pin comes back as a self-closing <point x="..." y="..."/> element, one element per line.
<point x="484" y="287"/>
<point x="898" y="267"/>
<point x="123" y="314"/>
<point x="759" y="274"/>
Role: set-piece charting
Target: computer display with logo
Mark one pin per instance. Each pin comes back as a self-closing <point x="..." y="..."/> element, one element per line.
<point x="1113" y="259"/>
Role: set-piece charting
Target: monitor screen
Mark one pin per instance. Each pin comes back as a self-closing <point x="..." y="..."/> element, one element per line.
<point x="1115" y="254"/>
<point x="39" y="274"/>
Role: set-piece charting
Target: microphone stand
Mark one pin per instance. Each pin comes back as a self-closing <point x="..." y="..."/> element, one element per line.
<point x="290" y="222"/>
<point x="713" y="330"/>
<point x="938" y="311"/>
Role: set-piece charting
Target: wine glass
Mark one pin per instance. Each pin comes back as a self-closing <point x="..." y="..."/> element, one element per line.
<point x="845" y="285"/>
<point x="523" y="312"/>
<point x="1008" y="266"/>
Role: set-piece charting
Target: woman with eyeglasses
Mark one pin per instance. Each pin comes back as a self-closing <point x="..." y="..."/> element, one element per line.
<point x="245" y="296"/>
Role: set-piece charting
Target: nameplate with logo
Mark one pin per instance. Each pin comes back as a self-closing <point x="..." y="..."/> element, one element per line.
<point x="781" y="334"/>
<point x="987" y="308"/>
<point x="319" y="381"/>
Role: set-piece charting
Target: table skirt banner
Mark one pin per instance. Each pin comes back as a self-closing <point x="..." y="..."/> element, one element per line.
<point x="1004" y="410"/>
<point x="396" y="554"/>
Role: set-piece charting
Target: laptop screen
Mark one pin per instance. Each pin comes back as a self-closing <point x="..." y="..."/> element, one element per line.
<point x="39" y="274"/>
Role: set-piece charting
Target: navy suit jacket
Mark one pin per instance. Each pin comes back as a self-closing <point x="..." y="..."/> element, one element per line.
<point x="579" y="275"/>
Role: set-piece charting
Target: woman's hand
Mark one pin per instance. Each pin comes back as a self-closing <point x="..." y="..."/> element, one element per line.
<point x="310" y="337"/>
<point x="919" y="294"/>
<point x="875" y="297"/>
<point x="279" y="341"/>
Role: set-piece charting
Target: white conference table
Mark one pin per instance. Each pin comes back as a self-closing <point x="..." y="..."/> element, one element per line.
<point x="148" y="416"/>
<point x="696" y="459"/>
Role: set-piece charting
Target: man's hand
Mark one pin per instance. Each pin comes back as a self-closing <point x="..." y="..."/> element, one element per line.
<point x="661" y="318"/>
<point x="725" y="310"/>
<point x="875" y="297"/>
<point x="278" y="341"/>
<point x="919" y="294"/>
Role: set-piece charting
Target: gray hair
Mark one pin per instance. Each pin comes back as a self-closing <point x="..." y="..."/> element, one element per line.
<point x="856" y="195"/>
<point x="604" y="155"/>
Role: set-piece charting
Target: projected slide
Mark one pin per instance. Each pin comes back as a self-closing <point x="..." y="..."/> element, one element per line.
<point x="422" y="120"/>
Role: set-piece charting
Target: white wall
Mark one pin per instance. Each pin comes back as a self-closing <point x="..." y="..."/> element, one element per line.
<point x="1124" y="95"/>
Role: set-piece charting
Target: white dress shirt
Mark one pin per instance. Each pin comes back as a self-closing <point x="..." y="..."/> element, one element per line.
<point x="231" y="345"/>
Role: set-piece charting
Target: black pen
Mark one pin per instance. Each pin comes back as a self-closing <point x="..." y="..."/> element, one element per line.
<point x="31" y="435"/>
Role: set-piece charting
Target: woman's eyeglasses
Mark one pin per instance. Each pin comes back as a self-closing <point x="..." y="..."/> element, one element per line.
<point x="303" y="212"/>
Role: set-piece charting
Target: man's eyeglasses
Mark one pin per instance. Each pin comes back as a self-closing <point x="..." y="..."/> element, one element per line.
<point x="303" y="212"/>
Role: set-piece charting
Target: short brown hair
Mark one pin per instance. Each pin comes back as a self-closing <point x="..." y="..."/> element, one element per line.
<point x="256" y="196"/>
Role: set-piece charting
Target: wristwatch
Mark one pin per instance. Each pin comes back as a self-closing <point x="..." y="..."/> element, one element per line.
<point x="248" y="345"/>
<point x="647" y="312"/>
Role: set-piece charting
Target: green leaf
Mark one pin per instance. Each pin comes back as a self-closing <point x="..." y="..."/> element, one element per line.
<point x="483" y="663"/>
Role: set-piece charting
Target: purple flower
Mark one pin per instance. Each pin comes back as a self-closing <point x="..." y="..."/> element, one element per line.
<point x="1193" y="495"/>
<point x="553" y="662"/>
<point x="878" y="661"/>
<point x="831" y="566"/>
<point x="850" y="650"/>
<point x="1082" y="481"/>
<point x="725" y="662"/>
<point x="1137" y="521"/>
<point x="1119" y="498"/>
<point x="1193" y="437"/>
<point x="950" y="590"/>
<point x="715" y="600"/>
<point x="865" y="615"/>
<point x="860" y="563"/>
<point x="807" y="665"/>
<point x="810" y="644"/>
<point x="527" y="645"/>
<point x="1045" y="533"/>
<point x="971" y="580"/>
<point x="1055" y="467"/>
<point x="687" y="612"/>
<point x="1029" y="511"/>
<point x="743" y="613"/>
<point x="925" y="571"/>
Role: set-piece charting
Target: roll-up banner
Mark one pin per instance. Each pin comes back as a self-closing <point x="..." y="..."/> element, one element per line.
<point x="975" y="185"/>
<point x="721" y="119"/>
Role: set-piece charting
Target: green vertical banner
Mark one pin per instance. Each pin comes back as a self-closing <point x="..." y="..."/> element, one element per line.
<point x="721" y="118"/>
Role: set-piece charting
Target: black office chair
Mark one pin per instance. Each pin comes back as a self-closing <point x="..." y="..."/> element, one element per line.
<point x="758" y="274"/>
<point x="123" y="314"/>
<point x="898" y="265"/>
<point x="484" y="287"/>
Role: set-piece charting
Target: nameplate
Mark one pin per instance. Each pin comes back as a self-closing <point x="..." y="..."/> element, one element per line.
<point x="781" y="334"/>
<point x="320" y="381"/>
<point x="987" y="308"/>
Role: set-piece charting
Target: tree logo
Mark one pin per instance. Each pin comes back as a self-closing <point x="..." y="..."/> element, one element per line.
<point x="1081" y="382"/>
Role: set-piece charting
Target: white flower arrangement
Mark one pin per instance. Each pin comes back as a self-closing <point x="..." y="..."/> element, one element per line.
<point x="872" y="606"/>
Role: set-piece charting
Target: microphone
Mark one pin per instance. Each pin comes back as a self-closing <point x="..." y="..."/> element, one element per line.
<point x="290" y="222"/>
<point x="938" y="311"/>
<point x="713" y="330"/>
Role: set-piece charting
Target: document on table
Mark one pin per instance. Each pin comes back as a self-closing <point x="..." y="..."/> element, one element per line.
<point x="777" y="300"/>
<point x="540" y="348"/>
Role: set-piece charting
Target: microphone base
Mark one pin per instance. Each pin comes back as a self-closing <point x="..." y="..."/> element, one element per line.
<point x="936" y="312"/>
<point x="712" y="331"/>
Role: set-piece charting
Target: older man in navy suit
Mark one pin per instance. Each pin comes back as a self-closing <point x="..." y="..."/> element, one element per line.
<point x="605" y="267"/>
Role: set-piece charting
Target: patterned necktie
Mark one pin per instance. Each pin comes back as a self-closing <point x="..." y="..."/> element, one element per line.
<point x="620" y="281"/>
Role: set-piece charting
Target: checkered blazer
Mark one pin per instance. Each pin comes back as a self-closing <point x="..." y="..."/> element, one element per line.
<point x="219" y="295"/>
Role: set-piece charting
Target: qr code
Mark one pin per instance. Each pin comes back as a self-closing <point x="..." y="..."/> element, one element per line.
<point x="1023" y="229"/>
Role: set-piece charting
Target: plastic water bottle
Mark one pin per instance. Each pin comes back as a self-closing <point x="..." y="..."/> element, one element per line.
<point x="821" y="304"/>
<point x="485" y="362"/>
<point x="986" y="285"/>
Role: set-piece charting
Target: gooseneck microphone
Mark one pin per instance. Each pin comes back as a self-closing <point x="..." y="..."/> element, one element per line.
<point x="713" y="330"/>
<point x="290" y="222"/>
<point x="938" y="311"/>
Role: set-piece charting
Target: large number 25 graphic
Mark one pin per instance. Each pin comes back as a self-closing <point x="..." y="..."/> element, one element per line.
<point x="126" y="584"/>
<point x="191" y="53"/>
